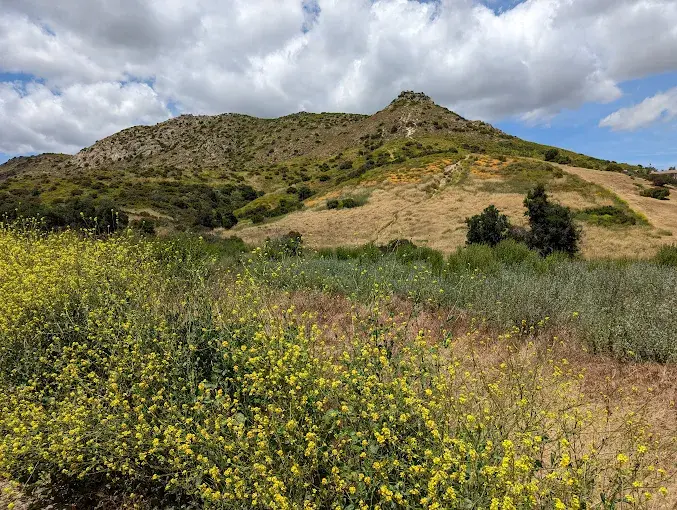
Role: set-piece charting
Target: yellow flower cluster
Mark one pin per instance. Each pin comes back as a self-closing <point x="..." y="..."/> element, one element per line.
<point x="130" y="370"/>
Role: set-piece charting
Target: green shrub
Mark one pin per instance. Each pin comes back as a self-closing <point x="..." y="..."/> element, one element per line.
<point x="607" y="215"/>
<point x="349" y="203"/>
<point x="473" y="257"/>
<point x="663" y="179"/>
<point x="511" y="252"/>
<point x="489" y="227"/>
<point x="551" y="154"/>
<point x="304" y="192"/>
<point x="143" y="225"/>
<point x="552" y="225"/>
<point x="332" y="204"/>
<point x="667" y="255"/>
<point x="658" y="193"/>
<point x="287" y="245"/>
<point x="405" y="250"/>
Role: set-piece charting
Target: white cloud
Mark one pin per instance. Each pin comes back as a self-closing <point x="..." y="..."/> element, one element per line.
<point x="661" y="106"/>
<point x="273" y="57"/>
<point x="77" y="116"/>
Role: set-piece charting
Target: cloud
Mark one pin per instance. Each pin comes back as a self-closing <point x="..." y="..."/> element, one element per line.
<point x="73" y="118"/>
<point x="662" y="106"/>
<point x="274" y="57"/>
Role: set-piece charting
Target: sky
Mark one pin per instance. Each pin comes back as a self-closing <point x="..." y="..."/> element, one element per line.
<point x="594" y="76"/>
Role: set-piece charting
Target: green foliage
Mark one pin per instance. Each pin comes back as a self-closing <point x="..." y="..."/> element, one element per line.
<point x="346" y="203"/>
<point x="667" y="255"/>
<point x="143" y="225"/>
<point x="551" y="154"/>
<point x="287" y="245"/>
<point x="510" y="252"/>
<point x="663" y="179"/>
<point x="489" y="227"/>
<point x="349" y="203"/>
<point x="659" y="193"/>
<point x="608" y="215"/>
<point x="625" y="309"/>
<point x="406" y="251"/>
<point x="304" y="192"/>
<point x="260" y="212"/>
<point x="102" y="215"/>
<point x="473" y="257"/>
<point x="552" y="225"/>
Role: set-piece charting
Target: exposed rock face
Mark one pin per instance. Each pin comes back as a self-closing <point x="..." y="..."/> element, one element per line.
<point x="411" y="96"/>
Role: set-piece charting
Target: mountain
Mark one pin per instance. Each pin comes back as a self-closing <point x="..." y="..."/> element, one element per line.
<point x="194" y="172"/>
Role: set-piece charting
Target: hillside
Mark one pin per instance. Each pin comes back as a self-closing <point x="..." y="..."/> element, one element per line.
<point x="421" y="169"/>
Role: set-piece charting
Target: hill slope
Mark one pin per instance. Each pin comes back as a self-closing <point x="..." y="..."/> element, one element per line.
<point x="426" y="164"/>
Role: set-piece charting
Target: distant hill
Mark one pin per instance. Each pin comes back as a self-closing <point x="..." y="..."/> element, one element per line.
<point x="194" y="172"/>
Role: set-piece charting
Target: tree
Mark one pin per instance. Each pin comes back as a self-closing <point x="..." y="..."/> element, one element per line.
<point x="489" y="227"/>
<point x="552" y="225"/>
<point x="551" y="154"/>
<point x="304" y="192"/>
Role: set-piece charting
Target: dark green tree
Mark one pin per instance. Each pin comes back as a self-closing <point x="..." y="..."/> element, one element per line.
<point x="551" y="154"/>
<point x="489" y="227"/>
<point x="552" y="225"/>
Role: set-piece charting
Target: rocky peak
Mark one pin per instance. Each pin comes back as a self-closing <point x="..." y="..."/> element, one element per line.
<point x="409" y="96"/>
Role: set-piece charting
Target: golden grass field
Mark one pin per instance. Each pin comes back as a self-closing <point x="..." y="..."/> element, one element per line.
<point x="425" y="206"/>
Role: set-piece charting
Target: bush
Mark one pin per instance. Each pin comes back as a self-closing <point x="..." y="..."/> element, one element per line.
<point x="663" y="179"/>
<point x="304" y="192"/>
<point x="552" y="225"/>
<point x="551" y="154"/>
<point x="146" y="226"/>
<point x="349" y="203"/>
<point x="608" y="215"/>
<point x="667" y="255"/>
<point x="287" y="245"/>
<point x="473" y="257"/>
<point x="511" y="252"/>
<point x="346" y="165"/>
<point x="658" y="193"/>
<point x="332" y="204"/>
<point x="489" y="227"/>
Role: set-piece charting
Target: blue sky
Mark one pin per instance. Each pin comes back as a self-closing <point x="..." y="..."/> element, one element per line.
<point x="598" y="78"/>
<point x="579" y="130"/>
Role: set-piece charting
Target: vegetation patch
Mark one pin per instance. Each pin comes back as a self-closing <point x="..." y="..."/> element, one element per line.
<point x="136" y="372"/>
<point x="658" y="192"/>
<point x="608" y="215"/>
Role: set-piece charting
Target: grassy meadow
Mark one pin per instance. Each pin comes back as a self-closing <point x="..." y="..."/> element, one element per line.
<point x="140" y="372"/>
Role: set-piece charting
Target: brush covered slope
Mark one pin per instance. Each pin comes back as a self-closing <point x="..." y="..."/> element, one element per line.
<point x="195" y="172"/>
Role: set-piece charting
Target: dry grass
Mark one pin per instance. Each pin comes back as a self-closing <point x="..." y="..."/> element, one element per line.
<point x="419" y="205"/>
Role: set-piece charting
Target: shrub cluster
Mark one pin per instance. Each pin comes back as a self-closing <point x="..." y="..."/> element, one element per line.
<point x="556" y="156"/>
<point x="552" y="228"/>
<point x="489" y="227"/>
<point x="287" y="245"/>
<point x="345" y="203"/>
<point x="608" y="215"/>
<point x="102" y="215"/>
<point x="658" y="192"/>
<point x="259" y="213"/>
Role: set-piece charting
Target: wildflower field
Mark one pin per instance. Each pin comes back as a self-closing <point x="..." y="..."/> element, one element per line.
<point x="143" y="373"/>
